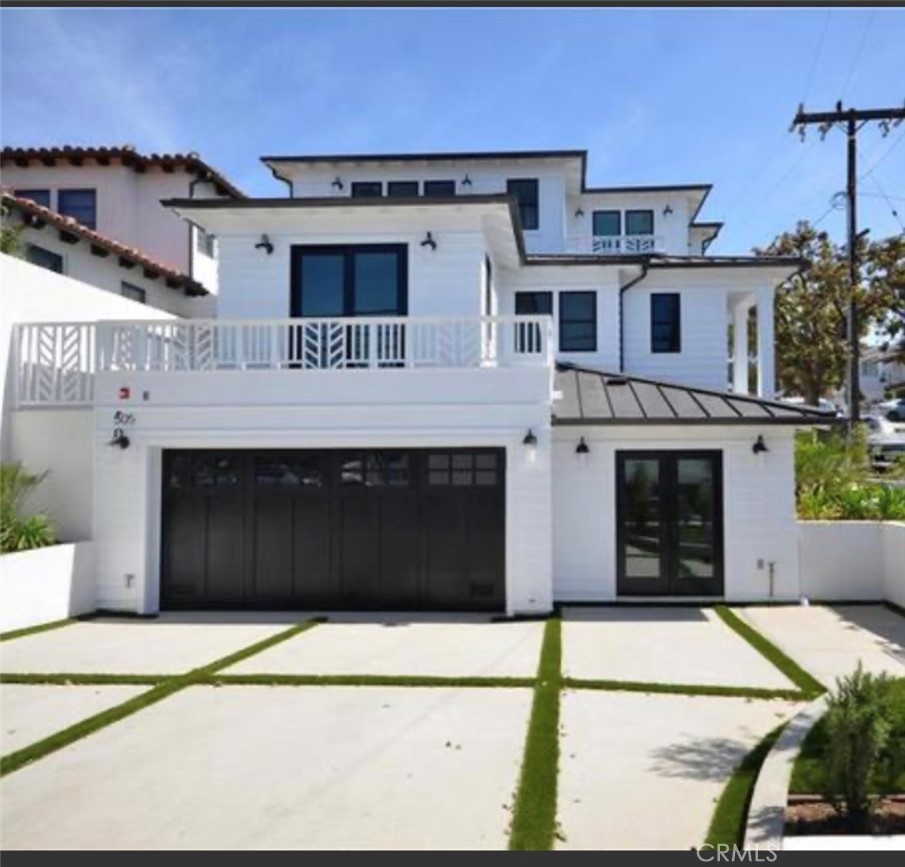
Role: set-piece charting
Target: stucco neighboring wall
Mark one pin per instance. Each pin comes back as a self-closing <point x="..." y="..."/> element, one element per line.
<point x="759" y="517"/>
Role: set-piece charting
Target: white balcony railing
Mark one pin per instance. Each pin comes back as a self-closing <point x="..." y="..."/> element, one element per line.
<point x="616" y="245"/>
<point x="56" y="362"/>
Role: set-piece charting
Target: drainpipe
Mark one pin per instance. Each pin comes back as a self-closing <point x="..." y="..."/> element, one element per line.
<point x="286" y="181"/>
<point x="622" y="291"/>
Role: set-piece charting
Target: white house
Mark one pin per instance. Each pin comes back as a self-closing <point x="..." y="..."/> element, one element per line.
<point x="115" y="193"/>
<point x="439" y="381"/>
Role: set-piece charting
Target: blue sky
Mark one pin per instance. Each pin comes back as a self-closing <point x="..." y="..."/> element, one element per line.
<point x="656" y="96"/>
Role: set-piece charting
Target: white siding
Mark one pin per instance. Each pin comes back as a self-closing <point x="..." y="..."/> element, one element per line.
<point x="759" y="507"/>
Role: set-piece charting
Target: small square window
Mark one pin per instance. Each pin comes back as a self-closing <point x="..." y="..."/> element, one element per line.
<point x="526" y="194"/>
<point x="402" y="189"/>
<point x="367" y="189"/>
<point x="639" y="222"/>
<point x="81" y="205"/>
<point x="607" y="224"/>
<point x="44" y="258"/>
<point x="351" y="471"/>
<point x="133" y="293"/>
<point x="205" y="243"/>
<point x="39" y="197"/>
<point x="439" y="189"/>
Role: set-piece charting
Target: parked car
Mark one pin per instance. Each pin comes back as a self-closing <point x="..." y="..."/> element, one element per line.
<point x="886" y="442"/>
<point x="822" y="403"/>
<point x="894" y="409"/>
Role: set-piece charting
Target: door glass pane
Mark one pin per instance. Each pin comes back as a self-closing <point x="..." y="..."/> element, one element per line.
<point x="606" y="223"/>
<point x="639" y="222"/>
<point x="322" y="284"/>
<point x="376" y="284"/>
<point x="642" y="517"/>
<point x="695" y="517"/>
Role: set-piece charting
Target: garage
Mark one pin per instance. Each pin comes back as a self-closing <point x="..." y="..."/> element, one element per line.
<point x="416" y="529"/>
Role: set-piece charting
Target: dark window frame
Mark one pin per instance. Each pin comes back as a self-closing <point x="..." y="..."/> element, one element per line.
<point x="126" y="288"/>
<point x="38" y="196"/>
<point x="367" y="190"/>
<point x="348" y="251"/>
<point x="430" y="188"/>
<point x="563" y="347"/>
<point x="205" y="243"/>
<point x="43" y="251"/>
<point x="534" y="294"/>
<point x="634" y="212"/>
<point x="529" y="211"/>
<point x="394" y="189"/>
<point x="62" y="207"/>
<point x="609" y="211"/>
<point x="673" y="341"/>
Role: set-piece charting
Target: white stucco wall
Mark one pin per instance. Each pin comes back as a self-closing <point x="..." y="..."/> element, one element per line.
<point x="758" y="513"/>
<point x="45" y="585"/>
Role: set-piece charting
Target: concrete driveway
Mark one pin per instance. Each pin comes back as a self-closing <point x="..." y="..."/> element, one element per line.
<point x="284" y="765"/>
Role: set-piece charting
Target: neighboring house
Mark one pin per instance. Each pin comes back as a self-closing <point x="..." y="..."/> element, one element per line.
<point x="881" y="372"/>
<point x="446" y="382"/>
<point x="116" y="192"/>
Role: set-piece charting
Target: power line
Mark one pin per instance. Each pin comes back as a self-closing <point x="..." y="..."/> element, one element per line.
<point x="858" y="50"/>
<point x="892" y="208"/>
<point x="810" y="76"/>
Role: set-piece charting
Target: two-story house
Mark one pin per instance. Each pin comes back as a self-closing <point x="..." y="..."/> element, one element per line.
<point x="94" y="214"/>
<point x="444" y="382"/>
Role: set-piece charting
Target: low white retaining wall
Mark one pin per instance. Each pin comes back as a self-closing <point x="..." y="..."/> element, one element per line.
<point x="46" y="584"/>
<point x="857" y="560"/>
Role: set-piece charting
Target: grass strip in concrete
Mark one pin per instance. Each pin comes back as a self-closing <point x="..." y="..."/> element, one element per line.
<point x="534" y="813"/>
<point x="717" y="691"/>
<point x="731" y="814"/>
<point x="810" y="687"/>
<point x="65" y="737"/>
<point x="34" y="630"/>
<point x="79" y="679"/>
<point x="365" y="680"/>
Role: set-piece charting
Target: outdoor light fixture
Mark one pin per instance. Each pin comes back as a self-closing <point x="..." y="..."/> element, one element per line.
<point x="119" y="438"/>
<point x="579" y="212"/>
<point x="667" y="210"/>
<point x="582" y="448"/>
<point x="530" y="439"/>
<point x="429" y="242"/>
<point x="759" y="446"/>
<point x="466" y="181"/>
<point x="337" y="182"/>
<point x="264" y="244"/>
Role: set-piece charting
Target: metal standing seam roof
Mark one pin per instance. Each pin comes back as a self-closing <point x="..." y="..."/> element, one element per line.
<point x="595" y="397"/>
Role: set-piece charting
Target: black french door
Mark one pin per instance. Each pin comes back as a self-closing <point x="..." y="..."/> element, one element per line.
<point x="669" y="513"/>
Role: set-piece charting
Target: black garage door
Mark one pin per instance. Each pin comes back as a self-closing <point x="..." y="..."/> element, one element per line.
<point x="415" y="529"/>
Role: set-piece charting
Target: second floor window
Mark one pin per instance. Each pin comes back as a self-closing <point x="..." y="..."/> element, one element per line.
<point x="39" y="197"/>
<point x="133" y="293"/>
<point x="578" y="321"/>
<point x="402" y="189"/>
<point x="526" y="194"/>
<point x="81" y="205"/>
<point x="44" y="258"/>
<point x="639" y="222"/>
<point x="439" y="189"/>
<point x="367" y="189"/>
<point x="665" y="322"/>
<point x="607" y="224"/>
<point x="205" y="243"/>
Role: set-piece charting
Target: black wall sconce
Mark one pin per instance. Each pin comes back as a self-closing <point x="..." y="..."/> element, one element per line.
<point x="429" y="242"/>
<point x="466" y="181"/>
<point x="530" y="439"/>
<point x="337" y="182"/>
<point x="759" y="446"/>
<point x="119" y="438"/>
<point x="667" y="210"/>
<point x="579" y="212"/>
<point x="582" y="448"/>
<point x="264" y="244"/>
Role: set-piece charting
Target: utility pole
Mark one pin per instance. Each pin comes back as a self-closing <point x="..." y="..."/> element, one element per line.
<point x="851" y="120"/>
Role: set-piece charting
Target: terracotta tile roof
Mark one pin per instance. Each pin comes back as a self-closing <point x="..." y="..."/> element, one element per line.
<point x="36" y="214"/>
<point x="126" y="155"/>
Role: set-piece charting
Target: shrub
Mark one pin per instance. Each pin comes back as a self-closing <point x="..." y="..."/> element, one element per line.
<point x="20" y="532"/>
<point x="864" y="752"/>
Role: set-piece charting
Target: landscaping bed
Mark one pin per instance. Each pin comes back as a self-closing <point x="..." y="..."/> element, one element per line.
<point x="808" y="815"/>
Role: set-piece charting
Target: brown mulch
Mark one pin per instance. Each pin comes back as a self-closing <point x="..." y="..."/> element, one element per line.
<point x="813" y="816"/>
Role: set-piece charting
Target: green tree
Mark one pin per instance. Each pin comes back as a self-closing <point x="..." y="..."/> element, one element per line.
<point x="10" y="240"/>
<point x="810" y="309"/>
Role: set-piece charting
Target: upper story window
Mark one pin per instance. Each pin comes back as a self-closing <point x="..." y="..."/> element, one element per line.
<point x="39" y="197"/>
<point x="639" y="222"/>
<point x="44" y="258"/>
<point x="526" y="194"/>
<point x="205" y="243"/>
<point x="133" y="293"/>
<point x="578" y="321"/>
<point x="367" y="189"/>
<point x="607" y="223"/>
<point x="533" y="303"/>
<point x="402" y="189"/>
<point x="665" y="322"/>
<point x="81" y="205"/>
<point x="439" y="189"/>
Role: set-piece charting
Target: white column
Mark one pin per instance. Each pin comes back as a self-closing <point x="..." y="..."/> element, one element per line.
<point x="766" y="351"/>
<point x="740" y="347"/>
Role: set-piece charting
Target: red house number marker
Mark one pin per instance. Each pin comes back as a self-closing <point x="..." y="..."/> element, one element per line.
<point x="124" y="392"/>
